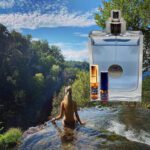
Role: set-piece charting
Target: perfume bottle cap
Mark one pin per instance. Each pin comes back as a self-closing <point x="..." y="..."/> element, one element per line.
<point x="115" y="24"/>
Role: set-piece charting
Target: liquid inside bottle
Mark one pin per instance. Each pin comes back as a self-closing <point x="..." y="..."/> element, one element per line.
<point x="94" y="82"/>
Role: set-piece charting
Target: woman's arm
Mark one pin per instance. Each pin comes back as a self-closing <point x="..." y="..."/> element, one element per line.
<point x="77" y="115"/>
<point x="60" y="113"/>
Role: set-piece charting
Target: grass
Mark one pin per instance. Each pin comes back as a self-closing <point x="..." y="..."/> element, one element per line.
<point x="146" y="93"/>
<point x="10" y="138"/>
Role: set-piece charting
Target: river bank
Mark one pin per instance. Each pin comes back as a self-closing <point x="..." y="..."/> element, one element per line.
<point x="106" y="128"/>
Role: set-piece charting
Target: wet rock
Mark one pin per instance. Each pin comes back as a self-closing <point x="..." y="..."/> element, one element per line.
<point x="106" y="128"/>
<point x="32" y="130"/>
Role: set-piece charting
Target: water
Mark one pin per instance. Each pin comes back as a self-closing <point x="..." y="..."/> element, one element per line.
<point x="106" y="128"/>
<point x="134" y="124"/>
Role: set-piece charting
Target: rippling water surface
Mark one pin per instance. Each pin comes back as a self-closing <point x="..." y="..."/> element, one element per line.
<point x="106" y="128"/>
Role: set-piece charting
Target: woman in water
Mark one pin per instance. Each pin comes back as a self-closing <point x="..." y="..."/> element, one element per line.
<point x="68" y="109"/>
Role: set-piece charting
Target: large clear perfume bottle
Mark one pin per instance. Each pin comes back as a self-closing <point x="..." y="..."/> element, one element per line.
<point x="118" y="53"/>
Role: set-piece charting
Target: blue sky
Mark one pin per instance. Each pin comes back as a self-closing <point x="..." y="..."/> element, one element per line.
<point x="65" y="23"/>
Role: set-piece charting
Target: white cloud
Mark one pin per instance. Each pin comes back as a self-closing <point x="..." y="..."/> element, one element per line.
<point x="56" y="19"/>
<point x="7" y="3"/>
<point x="35" y="39"/>
<point x="80" y="55"/>
<point x="66" y="45"/>
<point x="70" y="51"/>
<point x="81" y="34"/>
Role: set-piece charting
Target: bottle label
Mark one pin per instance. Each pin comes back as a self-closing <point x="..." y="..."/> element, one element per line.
<point x="94" y="90"/>
<point x="104" y="95"/>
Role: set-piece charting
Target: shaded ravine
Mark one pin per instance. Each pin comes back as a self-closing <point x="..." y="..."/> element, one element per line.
<point x="111" y="128"/>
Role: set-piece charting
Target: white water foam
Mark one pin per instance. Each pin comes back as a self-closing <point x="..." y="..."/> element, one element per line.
<point x="120" y="129"/>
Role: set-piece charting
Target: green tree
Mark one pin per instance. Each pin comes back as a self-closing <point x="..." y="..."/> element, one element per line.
<point x="39" y="78"/>
<point x="81" y="88"/>
<point x="55" y="70"/>
<point x="26" y="82"/>
<point x="135" y="12"/>
<point x="31" y="72"/>
<point x="56" y="52"/>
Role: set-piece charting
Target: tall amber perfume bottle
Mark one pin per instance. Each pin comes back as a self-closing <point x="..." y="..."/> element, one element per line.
<point x="94" y="82"/>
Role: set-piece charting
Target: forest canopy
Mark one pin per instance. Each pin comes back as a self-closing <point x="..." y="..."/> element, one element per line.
<point x="31" y="73"/>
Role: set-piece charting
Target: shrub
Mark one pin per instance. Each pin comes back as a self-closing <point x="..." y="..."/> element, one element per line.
<point x="10" y="138"/>
<point x="146" y="90"/>
<point x="81" y="89"/>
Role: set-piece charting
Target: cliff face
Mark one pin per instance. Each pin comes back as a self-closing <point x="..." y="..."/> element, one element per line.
<point x="96" y="134"/>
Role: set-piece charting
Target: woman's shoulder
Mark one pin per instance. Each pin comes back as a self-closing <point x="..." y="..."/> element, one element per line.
<point x="62" y="103"/>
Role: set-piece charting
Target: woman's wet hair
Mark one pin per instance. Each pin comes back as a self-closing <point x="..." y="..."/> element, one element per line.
<point x="67" y="89"/>
<point x="68" y="94"/>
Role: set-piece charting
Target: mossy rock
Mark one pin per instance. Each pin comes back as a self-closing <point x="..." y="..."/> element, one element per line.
<point x="115" y="137"/>
<point x="148" y="106"/>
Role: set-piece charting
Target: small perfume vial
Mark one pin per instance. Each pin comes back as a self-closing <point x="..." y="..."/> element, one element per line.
<point x="118" y="55"/>
<point x="104" y="86"/>
<point x="94" y="82"/>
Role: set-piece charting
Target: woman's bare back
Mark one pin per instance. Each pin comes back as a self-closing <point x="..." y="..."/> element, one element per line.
<point x="69" y="111"/>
